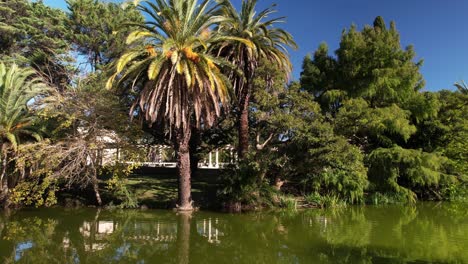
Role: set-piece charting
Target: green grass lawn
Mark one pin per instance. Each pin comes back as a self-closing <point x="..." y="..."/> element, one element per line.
<point x="159" y="189"/>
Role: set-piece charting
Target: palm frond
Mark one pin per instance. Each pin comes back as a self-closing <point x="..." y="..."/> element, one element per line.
<point x="18" y="87"/>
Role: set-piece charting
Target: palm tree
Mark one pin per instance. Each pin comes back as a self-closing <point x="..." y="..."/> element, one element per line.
<point x="18" y="88"/>
<point x="462" y="87"/>
<point x="269" y="43"/>
<point x="180" y="83"/>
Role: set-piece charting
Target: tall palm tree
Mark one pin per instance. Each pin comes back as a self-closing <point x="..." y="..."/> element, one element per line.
<point x="180" y="84"/>
<point x="269" y="43"/>
<point x="18" y="87"/>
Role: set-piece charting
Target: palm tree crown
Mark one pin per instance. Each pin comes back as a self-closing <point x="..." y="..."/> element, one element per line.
<point x="179" y="81"/>
<point x="462" y="87"/>
<point x="169" y="56"/>
<point x="268" y="41"/>
<point x="17" y="89"/>
<point x="265" y="42"/>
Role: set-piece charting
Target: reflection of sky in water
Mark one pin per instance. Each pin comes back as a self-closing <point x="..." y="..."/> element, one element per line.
<point x="21" y="247"/>
<point x="120" y="252"/>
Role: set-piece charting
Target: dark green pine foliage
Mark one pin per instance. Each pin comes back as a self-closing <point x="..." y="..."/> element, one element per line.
<point x="379" y="23"/>
<point x="319" y="77"/>
<point x="454" y="116"/>
<point x="100" y="28"/>
<point x="33" y="34"/>
<point x="8" y="31"/>
<point x="377" y="104"/>
<point x="446" y="131"/>
<point x="411" y="173"/>
<point x="379" y="83"/>
<point x="373" y="65"/>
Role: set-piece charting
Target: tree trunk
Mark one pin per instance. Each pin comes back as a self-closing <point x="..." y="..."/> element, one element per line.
<point x="182" y="139"/>
<point x="4" y="181"/>
<point x="4" y="193"/>
<point x="244" y="124"/>
<point x="94" y="180"/>
<point x="279" y="183"/>
<point x="195" y="141"/>
<point x="96" y="190"/>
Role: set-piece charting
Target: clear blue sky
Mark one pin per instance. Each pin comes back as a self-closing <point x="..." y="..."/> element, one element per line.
<point x="438" y="30"/>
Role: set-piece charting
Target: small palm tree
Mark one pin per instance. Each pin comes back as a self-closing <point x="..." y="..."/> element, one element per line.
<point x="180" y="84"/>
<point x="462" y="87"/>
<point x="18" y="87"/>
<point x="265" y="41"/>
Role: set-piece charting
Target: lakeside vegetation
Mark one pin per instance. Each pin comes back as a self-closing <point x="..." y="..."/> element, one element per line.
<point x="356" y="128"/>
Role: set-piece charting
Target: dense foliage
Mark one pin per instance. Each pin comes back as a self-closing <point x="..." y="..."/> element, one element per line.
<point x="200" y="75"/>
<point x="371" y="91"/>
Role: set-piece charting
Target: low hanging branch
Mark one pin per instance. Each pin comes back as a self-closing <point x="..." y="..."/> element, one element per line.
<point x="74" y="162"/>
<point x="263" y="145"/>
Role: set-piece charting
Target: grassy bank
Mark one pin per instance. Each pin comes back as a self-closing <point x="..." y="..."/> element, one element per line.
<point x="156" y="188"/>
<point x="160" y="190"/>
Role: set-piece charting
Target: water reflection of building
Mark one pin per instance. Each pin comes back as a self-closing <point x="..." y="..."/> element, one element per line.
<point x="208" y="228"/>
<point x="97" y="233"/>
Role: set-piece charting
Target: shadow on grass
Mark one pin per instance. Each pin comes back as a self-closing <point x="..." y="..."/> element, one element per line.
<point x="159" y="190"/>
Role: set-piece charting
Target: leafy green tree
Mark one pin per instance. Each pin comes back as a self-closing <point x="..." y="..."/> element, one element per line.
<point x="18" y="87"/>
<point x="88" y="129"/>
<point x="446" y="131"/>
<point x="265" y="41"/>
<point x="35" y="35"/>
<point x="98" y="29"/>
<point x="180" y="82"/>
<point x="369" y="128"/>
<point x="294" y="144"/>
<point x="319" y="76"/>
<point x="326" y="164"/>
<point x="374" y="66"/>
<point x="369" y="64"/>
<point x="452" y="120"/>
<point x="411" y="173"/>
<point x="371" y="86"/>
<point x="372" y="89"/>
<point x="9" y="11"/>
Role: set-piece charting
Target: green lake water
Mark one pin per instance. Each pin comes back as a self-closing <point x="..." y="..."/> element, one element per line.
<point x="426" y="233"/>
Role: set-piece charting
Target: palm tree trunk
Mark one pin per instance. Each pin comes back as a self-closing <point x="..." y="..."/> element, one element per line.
<point x="4" y="193"/>
<point x="195" y="141"/>
<point x="244" y="124"/>
<point x="3" y="173"/>
<point x="182" y="147"/>
<point x="4" y="180"/>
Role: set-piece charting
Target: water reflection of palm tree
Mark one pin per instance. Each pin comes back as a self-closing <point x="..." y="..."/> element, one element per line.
<point x="183" y="237"/>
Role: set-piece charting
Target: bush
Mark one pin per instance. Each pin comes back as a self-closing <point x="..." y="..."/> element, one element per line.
<point x="287" y="202"/>
<point x="329" y="166"/>
<point x="410" y="173"/>
<point x="326" y="201"/>
<point x="378" y="198"/>
<point x="243" y="184"/>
